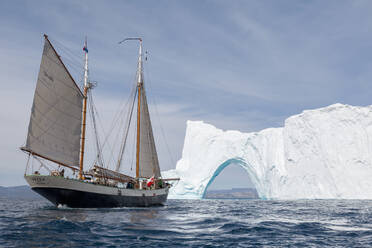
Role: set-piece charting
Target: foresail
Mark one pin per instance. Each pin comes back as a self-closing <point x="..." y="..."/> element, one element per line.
<point x="149" y="164"/>
<point x="55" y="124"/>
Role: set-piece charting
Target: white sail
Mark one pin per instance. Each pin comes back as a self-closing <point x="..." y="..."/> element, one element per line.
<point x="148" y="159"/>
<point x="55" y="124"/>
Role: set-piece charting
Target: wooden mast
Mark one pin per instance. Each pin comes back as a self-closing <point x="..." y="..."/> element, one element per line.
<point x="139" y="87"/>
<point x="83" y="126"/>
<point x="138" y="129"/>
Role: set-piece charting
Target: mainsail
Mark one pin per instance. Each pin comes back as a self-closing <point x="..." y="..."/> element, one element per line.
<point x="55" y="124"/>
<point x="148" y="158"/>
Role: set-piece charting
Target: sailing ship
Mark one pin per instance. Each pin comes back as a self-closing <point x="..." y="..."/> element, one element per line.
<point x="57" y="134"/>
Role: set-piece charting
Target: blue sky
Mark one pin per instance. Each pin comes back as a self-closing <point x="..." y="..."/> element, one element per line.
<point x="245" y="65"/>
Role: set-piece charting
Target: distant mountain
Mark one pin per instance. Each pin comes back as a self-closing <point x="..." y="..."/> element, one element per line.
<point x="235" y="193"/>
<point x="18" y="192"/>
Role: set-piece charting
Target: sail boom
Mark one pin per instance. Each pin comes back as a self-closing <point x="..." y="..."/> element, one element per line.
<point x="25" y="149"/>
<point x="171" y="179"/>
<point x="101" y="172"/>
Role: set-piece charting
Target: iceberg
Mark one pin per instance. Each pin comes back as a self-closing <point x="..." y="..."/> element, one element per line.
<point x="324" y="153"/>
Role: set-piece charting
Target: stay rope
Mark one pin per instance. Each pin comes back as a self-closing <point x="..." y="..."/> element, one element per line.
<point x="153" y="100"/>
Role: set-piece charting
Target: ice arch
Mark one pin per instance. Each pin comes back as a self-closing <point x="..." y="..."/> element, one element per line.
<point x="321" y="153"/>
<point x="208" y="150"/>
<point x="238" y="161"/>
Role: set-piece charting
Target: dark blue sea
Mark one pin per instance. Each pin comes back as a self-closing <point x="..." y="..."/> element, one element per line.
<point x="190" y="223"/>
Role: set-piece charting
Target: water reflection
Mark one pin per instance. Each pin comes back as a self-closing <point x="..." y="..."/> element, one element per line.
<point x="142" y="216"/>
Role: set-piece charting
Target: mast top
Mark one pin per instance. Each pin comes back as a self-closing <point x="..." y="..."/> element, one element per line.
<point x="86" y="70"/>
<point x="133" y="38"/>
<point x="140" y="64"/>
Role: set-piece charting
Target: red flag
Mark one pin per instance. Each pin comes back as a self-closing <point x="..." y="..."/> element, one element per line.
<point x="150" y="181"/>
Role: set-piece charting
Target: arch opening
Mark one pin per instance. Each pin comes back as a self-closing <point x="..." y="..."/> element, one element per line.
<point x="244" y="187"/>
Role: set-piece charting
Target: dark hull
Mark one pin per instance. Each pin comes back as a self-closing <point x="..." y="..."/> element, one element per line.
<point x="82" y="199"/>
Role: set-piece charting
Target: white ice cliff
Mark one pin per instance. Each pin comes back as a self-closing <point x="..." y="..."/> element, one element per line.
<point x="321" y="153"/>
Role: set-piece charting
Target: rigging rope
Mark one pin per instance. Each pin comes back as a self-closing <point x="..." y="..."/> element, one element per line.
<point x="126" y="130"/>
<point x="118" y="119"/>
<point x="68" y="51"/>
<point x="71" y="59"/>
<point x="133" y="148"/>
<point x="92" y="109"/>
<point x="158" y="116"/>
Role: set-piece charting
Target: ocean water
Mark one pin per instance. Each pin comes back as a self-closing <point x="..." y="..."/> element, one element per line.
<point x="190" y="223"/>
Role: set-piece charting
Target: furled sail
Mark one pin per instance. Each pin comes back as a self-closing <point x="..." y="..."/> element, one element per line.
<point x="148" y="159"/>
<point x="55" y="124"/>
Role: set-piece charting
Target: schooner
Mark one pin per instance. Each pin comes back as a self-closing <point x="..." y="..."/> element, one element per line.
<point x="56" y="134"/>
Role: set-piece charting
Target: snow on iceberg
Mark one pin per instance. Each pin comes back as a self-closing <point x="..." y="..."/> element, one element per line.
<point x="321" y="153"/>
